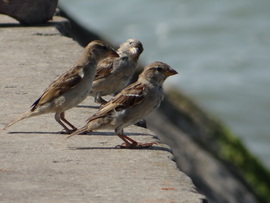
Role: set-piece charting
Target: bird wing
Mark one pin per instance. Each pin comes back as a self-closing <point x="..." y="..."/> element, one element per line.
<point x="61" y="85"/>
<point x="130" y="96"/>
<point x="104" y="68"/>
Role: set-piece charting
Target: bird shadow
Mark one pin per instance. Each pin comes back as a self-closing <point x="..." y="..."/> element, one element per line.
<point x="150" y="148"/>
<point x="153" y="147"/>
<point x="99" y="133"/>
<point x="34" y="132"/>
<point x="88" y="106"/>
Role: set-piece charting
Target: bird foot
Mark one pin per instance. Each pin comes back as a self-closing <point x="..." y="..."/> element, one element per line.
<point x="100" y="101"/>
<point x="135" y="146"/>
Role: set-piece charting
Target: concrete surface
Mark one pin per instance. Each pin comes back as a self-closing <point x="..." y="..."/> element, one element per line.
<point x="39" y="165"/>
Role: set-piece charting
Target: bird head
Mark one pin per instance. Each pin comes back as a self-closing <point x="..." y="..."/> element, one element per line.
<point x="130" y="47"/>
<point x="157" y="72"/>
<point x="99" y="50"/>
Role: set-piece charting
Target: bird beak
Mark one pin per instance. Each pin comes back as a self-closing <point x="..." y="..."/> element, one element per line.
<point x="134" y="50"/>
<point x="171" y="72"/>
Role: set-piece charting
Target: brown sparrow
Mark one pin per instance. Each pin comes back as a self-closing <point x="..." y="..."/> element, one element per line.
<point x="70" y="88"/>
<point x="114" y="73"/>
<point x="132" y="104"/>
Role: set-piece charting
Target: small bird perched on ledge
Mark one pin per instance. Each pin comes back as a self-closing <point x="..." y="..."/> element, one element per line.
<point x="132" y="104"/>
<point x="71" y="88"/>
<point x="114" y="73"/>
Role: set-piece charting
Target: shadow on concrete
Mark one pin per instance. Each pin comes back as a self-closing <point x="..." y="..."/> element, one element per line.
<point x="34" y="132"/>
<point x="156" y="148"/>
<point x="86" y="106"/>
<point x="100" y="133"/>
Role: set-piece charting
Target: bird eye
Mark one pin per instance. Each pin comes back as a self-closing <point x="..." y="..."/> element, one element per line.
<point x="159" y="69"/>
<point x="104" y="47"/>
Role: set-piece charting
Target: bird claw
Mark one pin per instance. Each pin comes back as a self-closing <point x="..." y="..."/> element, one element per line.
<point x="100" y="100"/>
<point x="135" y="146"/>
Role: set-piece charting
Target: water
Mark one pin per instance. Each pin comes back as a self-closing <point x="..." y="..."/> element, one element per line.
<point x="221" y="49"/>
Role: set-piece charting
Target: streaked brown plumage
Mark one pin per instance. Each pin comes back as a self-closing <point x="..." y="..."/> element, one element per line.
<point x="71" y="88"/>
<point x="132" y="104"/>
<point x="114" y="73"/>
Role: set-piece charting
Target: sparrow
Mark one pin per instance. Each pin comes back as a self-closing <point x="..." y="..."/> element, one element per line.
<point x="70" y="88"/>
<point x="132" y="104"/>
<point x="114" y="73"/>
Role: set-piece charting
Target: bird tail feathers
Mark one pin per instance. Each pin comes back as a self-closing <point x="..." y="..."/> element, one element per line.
<point x="21" y="117"/>
<point x="79" y="131"/>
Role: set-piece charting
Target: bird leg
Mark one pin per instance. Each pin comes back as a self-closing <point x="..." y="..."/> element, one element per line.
<point x="99" y="99"/>
<point x="62" y="117"/>
<point x="58" y="118"/>
<point x="132" y="144"/>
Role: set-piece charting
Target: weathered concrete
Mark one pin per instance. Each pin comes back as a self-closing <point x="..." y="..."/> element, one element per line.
<point x="39" y="165"/>
<point x="199" y="143"/>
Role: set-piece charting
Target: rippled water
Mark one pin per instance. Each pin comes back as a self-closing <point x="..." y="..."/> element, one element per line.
<point x="221" y="49"/>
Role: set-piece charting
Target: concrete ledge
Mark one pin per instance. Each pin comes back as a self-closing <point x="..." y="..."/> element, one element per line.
<point x="39" y="165"/>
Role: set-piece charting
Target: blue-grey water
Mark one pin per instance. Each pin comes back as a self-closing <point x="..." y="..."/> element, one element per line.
<point x="221" y="49"/>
